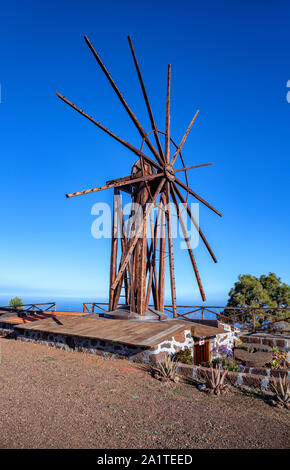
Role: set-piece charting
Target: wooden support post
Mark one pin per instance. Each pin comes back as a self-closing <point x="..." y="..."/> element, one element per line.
<point x="162" y="250"/>
<point x="152" y="264"/>
<point x="141" y="255"/>
<point x="114" y="247"/>
<point x="170" y="249"/>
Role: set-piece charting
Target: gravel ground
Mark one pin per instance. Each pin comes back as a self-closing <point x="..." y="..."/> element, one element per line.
<point x="56" y="399"/>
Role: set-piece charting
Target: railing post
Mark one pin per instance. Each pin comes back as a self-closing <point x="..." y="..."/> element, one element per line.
<point x="202" y="313"/>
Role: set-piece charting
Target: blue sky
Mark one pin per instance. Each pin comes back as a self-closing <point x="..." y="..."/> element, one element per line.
<point x="229" y="59"/>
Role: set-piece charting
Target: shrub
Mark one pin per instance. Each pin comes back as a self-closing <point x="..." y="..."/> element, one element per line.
<point x="183" y="356"/>
<point x="16" y="302"/>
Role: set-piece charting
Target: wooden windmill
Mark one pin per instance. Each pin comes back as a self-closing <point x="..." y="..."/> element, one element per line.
<point x="140" y="268"/>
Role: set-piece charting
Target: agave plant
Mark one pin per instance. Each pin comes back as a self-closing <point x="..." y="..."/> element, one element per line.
<point x="215" y="384"/>
<point x="281" y="390"/>
<point x="166" y="370"/>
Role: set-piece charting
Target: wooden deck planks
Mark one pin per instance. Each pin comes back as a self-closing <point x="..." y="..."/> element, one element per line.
<point x="133" y="333"/>
<point x="204" y="331"/>
<point x="13" y="318"/>
<point x="143" y="334"/>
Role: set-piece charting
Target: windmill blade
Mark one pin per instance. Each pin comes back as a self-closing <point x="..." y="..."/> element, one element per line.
<point x="118" y="93"/>
<point x="191" y="167"/>
<point x="116" y="185"/>
<point x="167" y="121"/>
<point x="179" y="148"/>
<point x="195" y="222"/>
<point x="153" y="124"/>
<point x="123" y="142"/>
<point x="170" y="250"/>
<point x="180" y="183"/>
<point x="189" y="249"/>
<point x="137" y="234"/>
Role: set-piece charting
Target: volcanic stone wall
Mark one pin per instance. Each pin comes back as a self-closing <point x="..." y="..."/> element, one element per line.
<point x="108" y="349"/>
<point x="226" y="339"/>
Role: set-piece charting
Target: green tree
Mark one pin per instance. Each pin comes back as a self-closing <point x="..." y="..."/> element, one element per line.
<point x="16" y="302"/>
<point x="278" y="291"/>
<point x="266" y="291"/>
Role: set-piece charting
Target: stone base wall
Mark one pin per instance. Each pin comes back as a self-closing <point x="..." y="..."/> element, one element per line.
<point x="236" y="379"/>
<point x="282" y="343"/>
<point x="6" y="328"/>
<point x="226" y="339"/>
<point x="107" y="349"/>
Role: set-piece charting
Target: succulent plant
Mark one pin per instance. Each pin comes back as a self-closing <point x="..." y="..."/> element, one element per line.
<point x="166" y="370"/>
<point x="281" y="390"/>
<point x="215" y="384"/>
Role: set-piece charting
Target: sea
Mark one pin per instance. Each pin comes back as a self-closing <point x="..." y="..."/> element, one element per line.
<point x="75" y="304"/>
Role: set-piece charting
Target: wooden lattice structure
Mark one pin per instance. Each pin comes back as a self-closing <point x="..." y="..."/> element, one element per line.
<point x="153" y="181"/>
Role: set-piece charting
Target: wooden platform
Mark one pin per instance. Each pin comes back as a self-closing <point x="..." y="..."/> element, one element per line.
<point x="132" y="333"/>
<point x="33" y="317"/>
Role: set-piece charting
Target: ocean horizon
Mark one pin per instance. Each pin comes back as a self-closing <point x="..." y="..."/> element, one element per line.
<point x="75" y="304"/>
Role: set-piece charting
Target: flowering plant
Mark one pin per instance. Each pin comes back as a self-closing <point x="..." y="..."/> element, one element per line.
<point x="225" y="359"/>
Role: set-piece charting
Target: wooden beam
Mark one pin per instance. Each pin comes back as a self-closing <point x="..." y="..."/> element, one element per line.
<point x="152" y="269"/>
<point x="117" y="184"/>
<point x="138" y="233"/>
<point x="194" y="166"/>
<point x="195" y="223"/>
<point x="189" y="249"/>
<point x="114" y="247"/>
<point x="170" y="250"/>
<point x="189" y="190"/>
<point x="179" y="148"/>
<point x="167" y="121"/>
<point x="126" y="106"/>
<point x="141" y="255"/>
<point x="122" y="141"/>
<point x="153" y="125"/>
<point x="118" y="290"/>
<point x="162" y="252"/>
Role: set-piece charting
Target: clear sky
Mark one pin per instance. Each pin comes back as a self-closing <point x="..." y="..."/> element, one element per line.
<point x="229" y="59"/>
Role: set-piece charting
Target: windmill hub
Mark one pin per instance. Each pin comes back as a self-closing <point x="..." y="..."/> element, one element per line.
<point x="169" y="172"/>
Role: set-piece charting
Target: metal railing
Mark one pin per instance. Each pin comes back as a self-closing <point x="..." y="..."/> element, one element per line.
<point x="246" y="319"/>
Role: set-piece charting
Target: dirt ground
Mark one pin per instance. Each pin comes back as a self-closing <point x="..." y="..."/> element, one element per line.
<point x="56" y="399"/>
